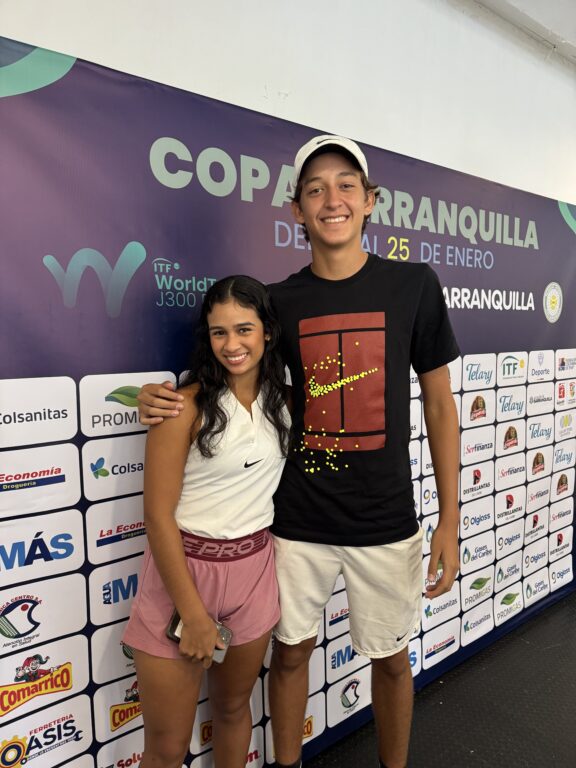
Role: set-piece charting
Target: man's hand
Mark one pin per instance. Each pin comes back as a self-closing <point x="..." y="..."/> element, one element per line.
<point x="157" y="402"/>
<point x="444" y="558"/>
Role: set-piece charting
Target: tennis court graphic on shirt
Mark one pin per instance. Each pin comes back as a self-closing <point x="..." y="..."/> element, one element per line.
<point x="343" y="358"/>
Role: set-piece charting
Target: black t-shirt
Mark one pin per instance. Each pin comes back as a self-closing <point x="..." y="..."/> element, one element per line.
<point x="349" y="345"/>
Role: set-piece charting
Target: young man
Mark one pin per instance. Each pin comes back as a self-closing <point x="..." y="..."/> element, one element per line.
<point x="353" y="324"/>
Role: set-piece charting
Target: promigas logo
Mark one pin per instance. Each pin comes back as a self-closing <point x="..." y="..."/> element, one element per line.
<point x="114" y="282"/>
<point x="126" y="395"/>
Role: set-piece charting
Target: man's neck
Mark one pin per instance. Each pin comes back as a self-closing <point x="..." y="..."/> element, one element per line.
<point x="337" y="265"/>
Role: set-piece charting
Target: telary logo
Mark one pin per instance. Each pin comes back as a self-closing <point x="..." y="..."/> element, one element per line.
<point x="98" y="468"/>
<point x="114" y="282"/>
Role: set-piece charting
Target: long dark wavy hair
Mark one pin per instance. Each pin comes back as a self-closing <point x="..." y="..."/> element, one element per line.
<point x="206" y="371"/>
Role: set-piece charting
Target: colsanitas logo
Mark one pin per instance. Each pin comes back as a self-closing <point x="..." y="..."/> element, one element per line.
<point x="99" y="470"/>
<point x="27" y="417"/>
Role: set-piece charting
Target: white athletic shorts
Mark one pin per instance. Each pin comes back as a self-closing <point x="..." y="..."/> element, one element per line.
<point x="383" y="584"/>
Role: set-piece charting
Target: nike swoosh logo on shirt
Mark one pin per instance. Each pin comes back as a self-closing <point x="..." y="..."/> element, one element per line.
<point x="318" y="390"/>
<point x="251" y="464"/>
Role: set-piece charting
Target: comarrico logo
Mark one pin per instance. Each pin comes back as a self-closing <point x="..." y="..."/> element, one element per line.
<point x="114" y="281"/>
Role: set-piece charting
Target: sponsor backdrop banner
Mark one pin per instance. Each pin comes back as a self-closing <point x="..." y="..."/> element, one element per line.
<point x="122" y="200"/>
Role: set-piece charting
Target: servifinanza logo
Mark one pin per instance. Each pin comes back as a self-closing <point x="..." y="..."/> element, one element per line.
<point x="114" y="281"/>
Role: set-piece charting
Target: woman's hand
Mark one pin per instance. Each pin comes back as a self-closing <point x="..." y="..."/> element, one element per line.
<point x="198" y="640"/>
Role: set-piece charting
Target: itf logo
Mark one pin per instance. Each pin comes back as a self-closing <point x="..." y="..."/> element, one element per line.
<point x="114" y="281"/>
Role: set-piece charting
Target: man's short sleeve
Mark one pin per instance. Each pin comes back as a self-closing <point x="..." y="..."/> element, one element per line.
<point x="433" y="340"/>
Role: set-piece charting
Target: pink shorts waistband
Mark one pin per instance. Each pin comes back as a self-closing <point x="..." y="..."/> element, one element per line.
<point x="224" y="550"/>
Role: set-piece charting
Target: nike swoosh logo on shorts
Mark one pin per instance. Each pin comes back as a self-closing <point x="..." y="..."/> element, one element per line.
<point x="251" y="464"/>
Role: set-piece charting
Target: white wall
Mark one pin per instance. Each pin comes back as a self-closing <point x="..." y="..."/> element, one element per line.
<point x="442" y="80"/>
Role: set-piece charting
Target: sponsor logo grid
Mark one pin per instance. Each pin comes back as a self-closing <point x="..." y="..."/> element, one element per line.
<point x="518" y="450"/>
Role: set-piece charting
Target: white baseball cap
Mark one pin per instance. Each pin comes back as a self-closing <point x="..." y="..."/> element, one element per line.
<point x="326" y="140"/>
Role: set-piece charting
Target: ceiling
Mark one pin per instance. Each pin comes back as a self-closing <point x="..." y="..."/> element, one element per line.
<point x="551" y="22"/>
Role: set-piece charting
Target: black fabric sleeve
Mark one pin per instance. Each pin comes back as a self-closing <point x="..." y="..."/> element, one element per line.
<point x="433" y="340"/>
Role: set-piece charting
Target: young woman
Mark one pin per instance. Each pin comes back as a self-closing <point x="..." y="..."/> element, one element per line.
<point x="208" y="484"/>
